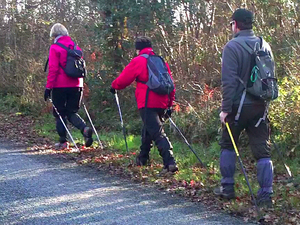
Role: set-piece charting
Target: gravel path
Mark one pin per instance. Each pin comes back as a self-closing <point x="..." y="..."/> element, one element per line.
<point x="42" y="189"/>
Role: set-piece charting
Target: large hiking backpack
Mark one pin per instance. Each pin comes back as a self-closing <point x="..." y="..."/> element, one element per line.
<point x="75" y="66"/>
<point x="160" y="80"/>
<point x="262" y="82"/>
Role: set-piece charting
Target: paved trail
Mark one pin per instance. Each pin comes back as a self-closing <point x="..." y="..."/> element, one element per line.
<point x="41" y="189"/>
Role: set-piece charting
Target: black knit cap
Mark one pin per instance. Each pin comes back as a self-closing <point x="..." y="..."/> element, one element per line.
<point x="142" y="42"/>
<point x="243" y="15"/>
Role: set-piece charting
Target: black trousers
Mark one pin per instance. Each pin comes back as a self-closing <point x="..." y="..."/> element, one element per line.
<point x="258" y="136"/>
<point x="67" y="101"/>
<point x="153" y="131"/>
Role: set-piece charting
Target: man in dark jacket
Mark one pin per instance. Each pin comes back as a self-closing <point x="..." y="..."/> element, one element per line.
<point x="157" y="104"/>
<point x="236" y="67"/>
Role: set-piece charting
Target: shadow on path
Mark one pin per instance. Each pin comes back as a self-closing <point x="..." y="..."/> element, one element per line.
<point x="44" y="189"/>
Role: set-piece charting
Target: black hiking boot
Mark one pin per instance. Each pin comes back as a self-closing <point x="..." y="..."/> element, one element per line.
<point x="264" y="201"/>
<point x="226" y="192"/>
<point x="87" y="134"/>
<point x="61" y="146"/>
<point x="141" y="162"/>
<point x="170" y="169"/>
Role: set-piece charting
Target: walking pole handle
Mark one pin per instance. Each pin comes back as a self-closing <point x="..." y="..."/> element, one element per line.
<point x="232" y="139"/>
<point x="119" y="108"/>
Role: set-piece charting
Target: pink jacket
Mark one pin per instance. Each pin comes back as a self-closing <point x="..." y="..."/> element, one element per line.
<point x="57" y="78"/>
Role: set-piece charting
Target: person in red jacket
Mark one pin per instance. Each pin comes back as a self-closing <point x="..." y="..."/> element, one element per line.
<point x="66" y="91"/>
<point x="157" y="106"/>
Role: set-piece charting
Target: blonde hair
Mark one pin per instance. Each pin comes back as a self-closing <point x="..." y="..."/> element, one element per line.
<point x="58" y="29"/>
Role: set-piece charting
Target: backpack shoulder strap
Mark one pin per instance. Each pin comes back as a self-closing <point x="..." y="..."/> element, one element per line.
<point x="75" y="46"/>
<point x="261" y="41"/>
<point x="145" y="56"/>
<point x="244" y="44"/>
<point x="62" y="46"/>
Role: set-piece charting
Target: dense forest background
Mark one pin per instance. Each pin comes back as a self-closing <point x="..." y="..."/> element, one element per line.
<point x="189" y="34"/>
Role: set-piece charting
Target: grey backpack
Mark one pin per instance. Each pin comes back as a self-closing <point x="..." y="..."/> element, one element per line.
<point x="262" y="82"/>
<point x="160" y="80"/>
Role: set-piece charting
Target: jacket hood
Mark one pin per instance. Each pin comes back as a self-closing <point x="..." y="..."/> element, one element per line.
<point x="145" y="51"/>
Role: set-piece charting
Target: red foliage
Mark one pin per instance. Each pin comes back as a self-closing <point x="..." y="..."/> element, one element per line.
<point x="93" y="56"/>
<point x="176" y="108"/>
<point x="192" y="183"/>
<point x="208" y="93"/>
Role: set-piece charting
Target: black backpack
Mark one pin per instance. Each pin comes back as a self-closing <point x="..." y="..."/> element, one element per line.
<point x="160" y="80"/>
<point x="75" y="66"/>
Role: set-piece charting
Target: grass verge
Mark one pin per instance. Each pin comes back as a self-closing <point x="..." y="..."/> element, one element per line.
<point x="191" y="181"/>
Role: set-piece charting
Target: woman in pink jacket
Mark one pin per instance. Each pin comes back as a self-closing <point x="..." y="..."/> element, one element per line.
<point x="66" y="91"/>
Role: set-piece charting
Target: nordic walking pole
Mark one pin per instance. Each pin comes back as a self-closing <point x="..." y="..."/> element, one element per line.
<point x="95" y="131"/>
<point x="61" y="119"/>
<point x="281" y="157"/>
<point x="242" y="166"/>
<point x="122" y="124"/>
<point x="172" y="122"/>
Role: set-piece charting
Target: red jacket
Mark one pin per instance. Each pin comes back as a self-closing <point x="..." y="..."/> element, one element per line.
<point x="57" y="78"/>
<point x="137" y="69"/>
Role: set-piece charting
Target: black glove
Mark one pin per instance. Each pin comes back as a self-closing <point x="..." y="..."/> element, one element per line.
<point x="168" y="113"/>
<point x="112" y="90"/>
<point x="47" y="94"/>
